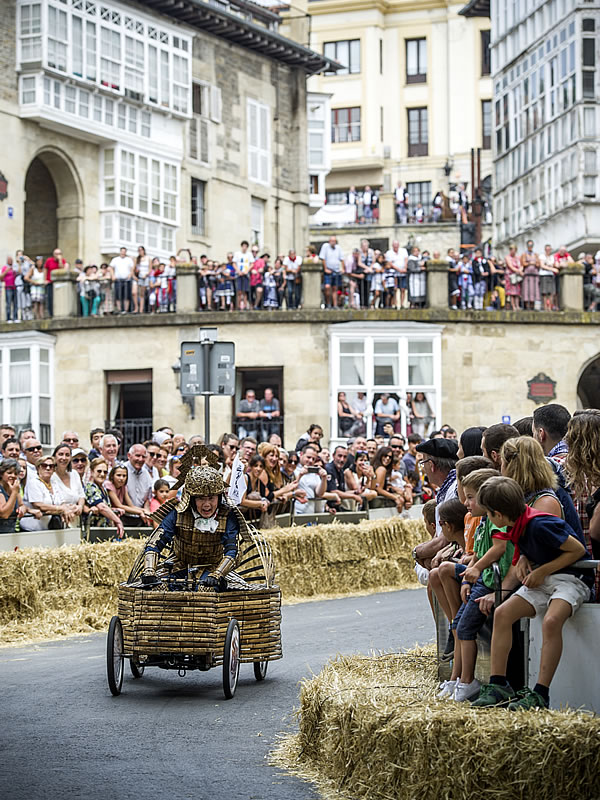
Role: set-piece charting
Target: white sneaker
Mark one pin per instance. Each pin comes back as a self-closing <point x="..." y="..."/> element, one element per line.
<point x="448" y="688"/>
<point x="466" y="691"/>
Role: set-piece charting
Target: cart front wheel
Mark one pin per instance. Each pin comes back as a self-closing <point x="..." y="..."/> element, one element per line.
<point x="114" y="656"/>
<point x="260" y="670"/>
<point x="137" y="669"/>
<point x="231" y="659"/>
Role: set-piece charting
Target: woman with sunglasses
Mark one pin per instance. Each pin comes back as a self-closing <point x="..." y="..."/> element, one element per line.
<point x="290" y="465"/>
<point x="97" y="501"/>
<point x="40" y="495"/>
<point x="363" y="479"/>
<point x="382" y="465"/>
<point x="79" y="464"/>
<point x="66" y="484"/>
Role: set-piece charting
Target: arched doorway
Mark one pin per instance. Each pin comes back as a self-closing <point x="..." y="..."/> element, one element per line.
<point x="588" y="387"/>
<point x="53" y="215"/>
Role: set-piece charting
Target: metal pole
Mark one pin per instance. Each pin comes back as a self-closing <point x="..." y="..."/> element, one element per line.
<point x="206" y="348"/>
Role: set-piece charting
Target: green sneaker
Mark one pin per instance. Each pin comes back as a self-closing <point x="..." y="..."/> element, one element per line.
<point x="528" y="699"/>
<point x="492" y="694"/>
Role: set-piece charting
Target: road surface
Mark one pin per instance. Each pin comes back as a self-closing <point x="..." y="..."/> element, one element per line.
<point x="64" y="736"/>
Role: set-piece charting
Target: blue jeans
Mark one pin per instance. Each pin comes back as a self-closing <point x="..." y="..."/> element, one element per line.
<point x="469" y="620"/>
<point x="11" y="303"/>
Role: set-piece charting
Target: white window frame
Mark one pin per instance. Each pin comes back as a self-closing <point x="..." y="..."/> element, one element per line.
<point x="33" y="341"/>
<point x="369" y="333"/>
<point x="259" y="155"/>
<point x="126" y="69"/>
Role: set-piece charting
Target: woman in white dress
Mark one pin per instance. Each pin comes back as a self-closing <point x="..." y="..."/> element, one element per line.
<point x="66" y="485"/>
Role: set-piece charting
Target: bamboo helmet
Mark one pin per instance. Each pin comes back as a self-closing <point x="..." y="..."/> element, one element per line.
<point x="200" y="482"/>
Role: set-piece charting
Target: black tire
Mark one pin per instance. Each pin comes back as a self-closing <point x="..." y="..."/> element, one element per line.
<point x="231" y="659"/>
<point x="137" y="669"/>
<point x="260" y="670"/>
<point x="114" y="656"/>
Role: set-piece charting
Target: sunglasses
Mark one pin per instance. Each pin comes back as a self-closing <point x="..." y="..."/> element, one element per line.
<point x="425" y="461"/>
<point x="73" y="441"/>
<point x="101" y="472"/>
<point x="362" y="452"/>
<point x="33" y="449"/>
<point x="79" y="460"/>
<point x="152" y="455"/>
<point x="48" y="466"/>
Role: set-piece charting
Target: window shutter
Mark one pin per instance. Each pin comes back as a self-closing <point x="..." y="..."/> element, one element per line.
<point x="193" y="138"/>
<point x="215" y="104"/>
<point x="204" y="150"/>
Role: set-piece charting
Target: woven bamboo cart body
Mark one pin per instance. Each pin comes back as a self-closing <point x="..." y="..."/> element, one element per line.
<point x="172" y="624"/>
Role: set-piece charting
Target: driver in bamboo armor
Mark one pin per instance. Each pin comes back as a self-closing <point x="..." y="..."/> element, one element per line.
<point x="202" y="528"/>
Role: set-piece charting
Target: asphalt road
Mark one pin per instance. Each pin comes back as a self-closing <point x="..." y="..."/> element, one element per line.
<point x="64" y="736"/>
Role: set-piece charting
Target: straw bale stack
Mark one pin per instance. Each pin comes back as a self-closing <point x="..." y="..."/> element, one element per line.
<point x="372" y="729"/>
<point x="46" y="593"/>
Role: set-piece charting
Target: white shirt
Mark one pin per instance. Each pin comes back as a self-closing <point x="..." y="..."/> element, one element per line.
<point x="122" y="267"/>
<point x="309" y="483"/>
<point x="242" y="261"/>
<point x="36" y="492"/>
<point x="292" y="266"/>
<point x="67" y="494"/>
<point x="397" y="259"/>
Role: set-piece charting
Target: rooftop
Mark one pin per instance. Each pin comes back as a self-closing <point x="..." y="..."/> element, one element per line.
<point x="248" y="25"/>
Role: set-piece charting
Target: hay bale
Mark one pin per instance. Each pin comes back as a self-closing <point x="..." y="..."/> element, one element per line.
<point x="372" y="729"/>
<point x="46" y="593"/>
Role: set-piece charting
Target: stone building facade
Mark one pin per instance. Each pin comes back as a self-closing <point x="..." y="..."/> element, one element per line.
<point x="165" y="125"/>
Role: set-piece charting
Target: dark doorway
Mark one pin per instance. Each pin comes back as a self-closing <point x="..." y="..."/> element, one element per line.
<point x="259" y="379"/>
<point x="40" y="223"/>
<point x="588" y="388"/>
<point x="129" y="405"/>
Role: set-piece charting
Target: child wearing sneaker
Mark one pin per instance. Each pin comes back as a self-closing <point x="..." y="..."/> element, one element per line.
<point x="546" y="547"/>
<point x="449" y="573"/>
<point x="477" y="581"/>
<point x="451" y="515"/>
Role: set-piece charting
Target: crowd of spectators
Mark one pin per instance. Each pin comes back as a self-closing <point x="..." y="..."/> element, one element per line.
<point x="247" y="279"/>
<point x="526" y="498"/>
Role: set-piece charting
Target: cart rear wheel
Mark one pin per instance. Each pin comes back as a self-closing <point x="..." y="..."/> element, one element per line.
<point x="260" y="670"/>
<point x="114" y="656"/>
<point x="137" y="669"/>
<point x="231" y="659"/>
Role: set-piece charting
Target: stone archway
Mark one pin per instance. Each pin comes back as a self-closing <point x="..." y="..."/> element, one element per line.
<point x="588" y="386"/>
<point x="53" y="215"/>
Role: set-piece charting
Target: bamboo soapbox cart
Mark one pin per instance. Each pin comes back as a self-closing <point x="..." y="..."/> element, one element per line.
<point x="182" y="625"/>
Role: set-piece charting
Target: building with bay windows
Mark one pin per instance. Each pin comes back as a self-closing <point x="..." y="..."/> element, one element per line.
<point x="411" y="99"/>
<point x="153" y="123"/>
<point x="545" y="123"/>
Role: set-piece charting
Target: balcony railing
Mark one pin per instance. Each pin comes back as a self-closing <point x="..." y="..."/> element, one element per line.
<point x="134" y="431"/>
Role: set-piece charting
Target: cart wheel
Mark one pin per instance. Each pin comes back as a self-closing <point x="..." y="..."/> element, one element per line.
<point x="231" y="659"/>
<point x="137" y="669"/>
<point x="260" y="670"/>
<point x="114" y="656"/>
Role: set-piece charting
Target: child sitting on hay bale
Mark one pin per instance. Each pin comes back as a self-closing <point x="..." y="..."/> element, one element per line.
<point x="546" y="546"/>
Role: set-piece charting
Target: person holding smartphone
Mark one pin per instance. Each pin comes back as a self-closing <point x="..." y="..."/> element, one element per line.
<point x="312" y="479"/>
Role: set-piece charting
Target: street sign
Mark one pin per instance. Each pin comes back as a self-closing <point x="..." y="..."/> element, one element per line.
<point x="221" y="368"/>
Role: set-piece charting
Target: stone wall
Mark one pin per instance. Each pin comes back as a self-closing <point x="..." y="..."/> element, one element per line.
<point x="486" y="363"/>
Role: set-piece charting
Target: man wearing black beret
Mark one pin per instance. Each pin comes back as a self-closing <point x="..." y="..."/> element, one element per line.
<point x="439" y="460"/>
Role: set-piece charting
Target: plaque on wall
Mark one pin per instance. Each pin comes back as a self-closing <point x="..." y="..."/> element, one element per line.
<point x="542" y="388"/>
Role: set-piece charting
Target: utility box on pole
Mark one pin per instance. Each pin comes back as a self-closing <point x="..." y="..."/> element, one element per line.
<point x="207" y="368"/>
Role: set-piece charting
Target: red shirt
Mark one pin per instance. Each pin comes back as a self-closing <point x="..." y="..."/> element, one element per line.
<point x="52" y="264"/>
